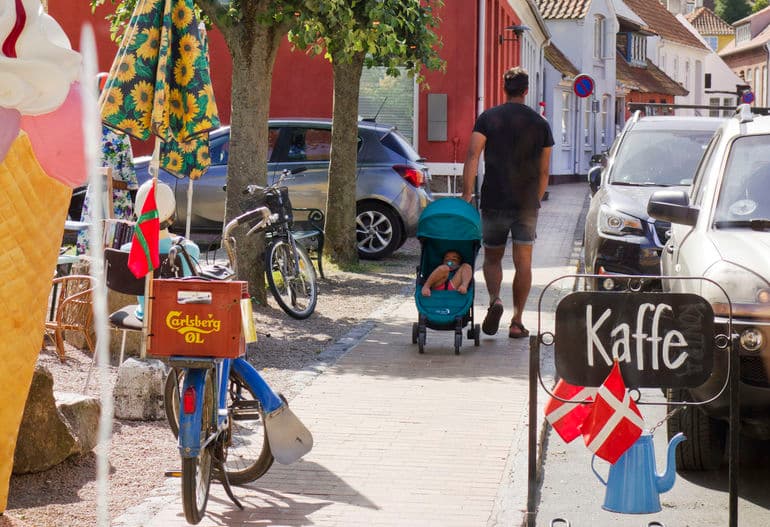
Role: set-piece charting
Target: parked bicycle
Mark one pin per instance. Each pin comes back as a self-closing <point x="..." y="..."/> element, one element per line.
<point x="230" y="424"/>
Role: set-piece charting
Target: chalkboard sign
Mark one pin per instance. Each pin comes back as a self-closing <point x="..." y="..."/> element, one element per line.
<point x="661" y="340"/>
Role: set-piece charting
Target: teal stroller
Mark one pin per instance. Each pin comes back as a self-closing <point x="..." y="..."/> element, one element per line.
<point x="446" y="224"/>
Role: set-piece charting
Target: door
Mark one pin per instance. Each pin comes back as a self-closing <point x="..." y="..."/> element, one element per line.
<point x="305" y="147"/>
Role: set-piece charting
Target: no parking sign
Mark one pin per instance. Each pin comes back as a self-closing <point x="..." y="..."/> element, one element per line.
<point x="583" y="85"/>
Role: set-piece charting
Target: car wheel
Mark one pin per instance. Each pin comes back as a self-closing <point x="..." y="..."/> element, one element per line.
<point x="706" y="436"/>
<point x="378" y="230"/>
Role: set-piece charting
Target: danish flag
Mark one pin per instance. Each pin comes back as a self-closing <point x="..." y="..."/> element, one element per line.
<point x="565" y="417"/>
<point x="614" y="422"/>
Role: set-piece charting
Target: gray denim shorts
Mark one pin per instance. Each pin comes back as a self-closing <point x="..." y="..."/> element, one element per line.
<point x="496" y="224"/>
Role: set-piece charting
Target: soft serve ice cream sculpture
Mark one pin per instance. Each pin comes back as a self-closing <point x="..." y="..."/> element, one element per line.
<point x="41" y="158"/>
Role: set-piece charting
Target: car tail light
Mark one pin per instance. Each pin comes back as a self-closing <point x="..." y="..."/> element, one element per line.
<point x="188" y="400"/>
<point x="412" y="175"/>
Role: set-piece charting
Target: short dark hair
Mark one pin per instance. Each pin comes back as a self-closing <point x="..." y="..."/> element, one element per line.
<point x="516" y="82"/>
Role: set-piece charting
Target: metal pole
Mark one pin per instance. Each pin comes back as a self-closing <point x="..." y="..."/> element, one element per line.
<point x="735" y="431"/>
<point x="534" y="364"/>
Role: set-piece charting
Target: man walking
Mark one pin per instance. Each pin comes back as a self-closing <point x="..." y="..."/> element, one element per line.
<point x="516" y="142"/>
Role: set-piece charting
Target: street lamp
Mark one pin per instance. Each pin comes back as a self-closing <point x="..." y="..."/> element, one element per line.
<point x="517" y="31"/>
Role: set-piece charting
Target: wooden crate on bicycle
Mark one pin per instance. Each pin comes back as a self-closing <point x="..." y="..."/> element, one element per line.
<point x="196" y="318"/>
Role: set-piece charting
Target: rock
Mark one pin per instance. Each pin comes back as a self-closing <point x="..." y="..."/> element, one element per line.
<point x="82" y="415"/>
<point x="138" y="390"/>
<point x="48" y="435"/>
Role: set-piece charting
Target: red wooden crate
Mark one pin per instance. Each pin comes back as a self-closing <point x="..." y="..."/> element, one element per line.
<point x="196" y="318"/>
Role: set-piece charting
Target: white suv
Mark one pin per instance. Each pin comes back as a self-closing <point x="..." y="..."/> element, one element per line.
<point x="721" y="231"/>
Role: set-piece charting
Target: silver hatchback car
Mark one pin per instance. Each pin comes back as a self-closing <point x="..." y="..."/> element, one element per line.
<point x="720" y="230"/>
<point x="392" y="186"/>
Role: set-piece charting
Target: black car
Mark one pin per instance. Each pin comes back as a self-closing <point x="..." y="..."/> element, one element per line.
<point x="651" y="153"/>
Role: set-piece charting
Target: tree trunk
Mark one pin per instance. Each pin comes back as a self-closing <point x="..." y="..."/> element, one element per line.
<point x="253" y="47"/>
<point x="341" y="200"/>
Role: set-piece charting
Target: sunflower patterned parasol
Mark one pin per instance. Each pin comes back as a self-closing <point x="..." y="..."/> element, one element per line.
<point x="159" y="84"/>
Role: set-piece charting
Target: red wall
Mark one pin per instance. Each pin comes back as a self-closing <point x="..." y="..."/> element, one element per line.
<point x="303" y="85"/>
<point x="647" y="97"/>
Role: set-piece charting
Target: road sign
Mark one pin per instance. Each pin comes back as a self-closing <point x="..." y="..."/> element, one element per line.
<point x="583" y="85"/>
<point x="747" y="97"/>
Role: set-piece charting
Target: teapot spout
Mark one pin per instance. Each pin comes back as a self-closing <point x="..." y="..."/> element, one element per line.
<point x="665" y="481"/>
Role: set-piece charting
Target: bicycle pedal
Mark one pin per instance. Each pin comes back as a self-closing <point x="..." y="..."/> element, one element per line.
<point x="176" y="473"/>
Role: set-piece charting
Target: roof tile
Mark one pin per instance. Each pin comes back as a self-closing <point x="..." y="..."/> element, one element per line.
<point x="559" y="61"/>
<point x="663" y="22"/>
<point x="708" y="23"/>
<point x="563" y="9"/>
<point x="647" y="80"/>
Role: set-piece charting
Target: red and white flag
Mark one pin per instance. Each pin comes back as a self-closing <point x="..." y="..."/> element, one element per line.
<point x="145" y="255"/>
<point x="565" y="417"/>
<point x="614" y="422"/>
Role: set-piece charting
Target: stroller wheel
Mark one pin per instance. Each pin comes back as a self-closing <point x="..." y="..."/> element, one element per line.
<point x="421" y="340"/>
<point x="458" y="341"/>
<point x="476" y="335"/>
<point x="415" y="330"/>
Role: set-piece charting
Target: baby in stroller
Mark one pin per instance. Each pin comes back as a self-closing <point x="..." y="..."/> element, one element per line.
<point x="452" y="275"/>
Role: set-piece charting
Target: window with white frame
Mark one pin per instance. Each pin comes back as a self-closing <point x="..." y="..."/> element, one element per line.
<point x="687" y="75"/>
<point x="566" y="98"/>
<point x="743" y="33"/>
<point x="750" y="77"/>
<point x="714" y="101"/>
<point x="637" y="49"/>
<point x="728" y="102"/>
<point x="663" y="62"/>
<point x="599" y="31"/>
<point x="605" y="120"/>
<point x="675" y="72"/>
<point x="713" y="42"/>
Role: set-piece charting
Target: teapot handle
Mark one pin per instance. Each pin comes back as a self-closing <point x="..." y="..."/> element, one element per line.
<point x="599" y="477"/>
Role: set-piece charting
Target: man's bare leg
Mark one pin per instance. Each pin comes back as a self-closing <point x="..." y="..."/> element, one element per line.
<point x="522" y="279"/>
<point x="493" y="275"/>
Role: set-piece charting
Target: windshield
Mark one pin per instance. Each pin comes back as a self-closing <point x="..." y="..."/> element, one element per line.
<point x="743" y="196"/>
<point x="659" y="157"/>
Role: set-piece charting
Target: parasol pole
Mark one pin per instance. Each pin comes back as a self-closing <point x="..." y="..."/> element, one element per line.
<point x="189" y="207"/>
<point x="92" y="138"/>
<point x="154" y="167"/>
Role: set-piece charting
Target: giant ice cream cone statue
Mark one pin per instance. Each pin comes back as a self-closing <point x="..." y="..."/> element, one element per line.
<point x="41" y="157"/>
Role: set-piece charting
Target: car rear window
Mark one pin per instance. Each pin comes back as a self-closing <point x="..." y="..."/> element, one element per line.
<point x="659" y="157"/>
<point x="396" y="142"/>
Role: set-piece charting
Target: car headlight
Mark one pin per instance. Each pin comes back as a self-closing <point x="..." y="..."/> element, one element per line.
<point x="749" y="293"/>
<point x="618" y="223"/>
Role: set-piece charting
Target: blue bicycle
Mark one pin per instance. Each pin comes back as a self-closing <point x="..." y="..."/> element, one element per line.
<point x="230" y="424"/>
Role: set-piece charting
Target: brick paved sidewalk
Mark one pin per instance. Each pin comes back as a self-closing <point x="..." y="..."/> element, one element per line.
<point x="405" y="439"/>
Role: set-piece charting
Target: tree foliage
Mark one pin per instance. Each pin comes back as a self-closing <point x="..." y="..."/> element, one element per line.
<point x="732" y="10"/>
<point x="352" y="34"/>
<point x="759" y="5"/>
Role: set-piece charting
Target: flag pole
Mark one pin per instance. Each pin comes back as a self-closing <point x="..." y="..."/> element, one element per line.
<point x="154" y="167"/>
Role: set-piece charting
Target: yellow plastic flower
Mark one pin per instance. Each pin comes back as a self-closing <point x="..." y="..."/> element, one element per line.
<point x="149" y="49"/>
<point x="181" y="16"/>
<point x="174" y="161"/>
<point x="126" y="69"/>
<point x="142" y="95"/>
<point x="112" y="100"/>
<point x="131" y="127"/>
<point x="175" y="103"/>
<point x="183" y="72"/>
<point x="189" y="48"/>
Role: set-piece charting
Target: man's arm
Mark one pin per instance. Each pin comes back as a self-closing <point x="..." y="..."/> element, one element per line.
<point x="545" y="164"/>
<point x="471" y="166"/>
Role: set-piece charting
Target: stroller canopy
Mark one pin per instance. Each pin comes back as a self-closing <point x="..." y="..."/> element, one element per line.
<point x="449" y="219"/>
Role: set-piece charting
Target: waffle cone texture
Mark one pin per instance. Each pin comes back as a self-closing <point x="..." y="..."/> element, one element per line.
<point x="33" y="207"/>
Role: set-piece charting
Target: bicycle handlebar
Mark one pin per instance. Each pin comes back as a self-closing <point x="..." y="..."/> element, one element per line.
<point x="229" y="241"/>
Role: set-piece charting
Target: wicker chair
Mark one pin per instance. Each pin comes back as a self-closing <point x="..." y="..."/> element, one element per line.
<point x="71" y="310"/>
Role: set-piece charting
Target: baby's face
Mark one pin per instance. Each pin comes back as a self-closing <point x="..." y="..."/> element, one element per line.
<point x="452" y="259"/>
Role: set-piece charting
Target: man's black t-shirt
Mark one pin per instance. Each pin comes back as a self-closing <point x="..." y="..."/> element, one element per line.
<point x="516" y="136"/>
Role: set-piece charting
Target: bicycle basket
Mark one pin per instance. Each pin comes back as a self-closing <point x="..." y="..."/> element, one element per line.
<point x="196" y="318"/>
<point x="270" y="200"/>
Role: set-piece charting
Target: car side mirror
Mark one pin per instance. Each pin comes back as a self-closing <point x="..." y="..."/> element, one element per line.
<point x="599" y="159"/>
<point x="595" y="178"/>
<point x="672" y="206"/>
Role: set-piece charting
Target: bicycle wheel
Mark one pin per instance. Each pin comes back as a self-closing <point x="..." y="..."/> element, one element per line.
<point x="248" y="451"/>
<point x="248" y="455"/>
<point x="171" y="390"/>
<point x="291" y="277"/>
<point x="196" y="471"/>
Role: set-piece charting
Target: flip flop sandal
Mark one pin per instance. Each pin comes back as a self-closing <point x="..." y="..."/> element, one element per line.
<point x="521" y="333"/>
<point x="492" y="320"/>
